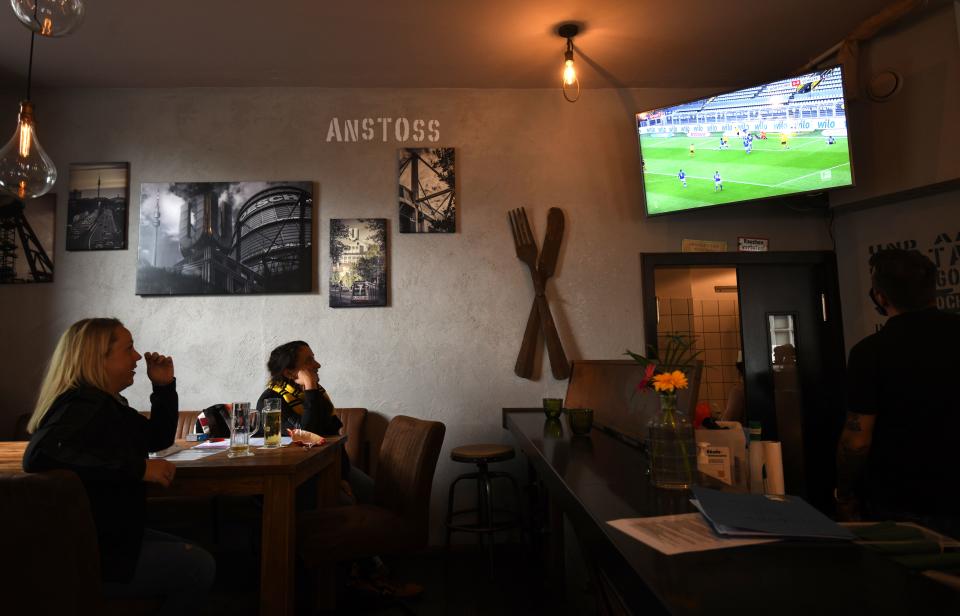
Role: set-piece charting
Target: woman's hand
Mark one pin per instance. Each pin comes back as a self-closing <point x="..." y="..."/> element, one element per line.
<point x="160" y="471"/>
<point x="307" y="379"/>
<point x="159" y="368"/>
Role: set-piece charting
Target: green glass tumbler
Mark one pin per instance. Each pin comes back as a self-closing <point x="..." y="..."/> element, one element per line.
<point x="552" y="407"/>
<point x="581" y="420"/>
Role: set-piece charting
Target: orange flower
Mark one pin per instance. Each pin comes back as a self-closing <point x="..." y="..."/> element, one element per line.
<point x="663" y="382"/>
<point x="679" y="379"/>
<point x="670" y="381"/>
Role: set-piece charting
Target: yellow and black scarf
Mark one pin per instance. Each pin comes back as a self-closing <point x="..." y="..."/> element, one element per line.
<point x="291" y="393"/>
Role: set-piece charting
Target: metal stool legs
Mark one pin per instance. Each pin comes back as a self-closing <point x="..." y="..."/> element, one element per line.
<point x="486" y="519"/>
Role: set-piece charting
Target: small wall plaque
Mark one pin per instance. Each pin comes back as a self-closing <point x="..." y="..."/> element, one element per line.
<point x="703" y="246"/>
<point x="753" y="244"/>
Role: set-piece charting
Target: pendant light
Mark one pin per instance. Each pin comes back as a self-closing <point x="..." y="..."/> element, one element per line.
<point x="49" y="17"/>
<point x="25" y="169"/>
<point x="570" y="82"/>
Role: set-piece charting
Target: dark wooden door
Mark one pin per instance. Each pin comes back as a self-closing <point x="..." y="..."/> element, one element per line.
<point x="793" y="360"/>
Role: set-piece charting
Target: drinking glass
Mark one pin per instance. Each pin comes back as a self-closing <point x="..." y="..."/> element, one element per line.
<point x="552" y="407"/>
<point x="271" y="423"/>
<point x="581" y="420"/>
<point x="243" y="423"/>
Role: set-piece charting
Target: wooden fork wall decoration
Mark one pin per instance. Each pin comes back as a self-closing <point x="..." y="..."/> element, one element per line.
<point x="540" y="319"/>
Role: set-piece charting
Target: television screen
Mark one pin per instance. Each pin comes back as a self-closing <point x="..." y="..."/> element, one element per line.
<point x="779" y="138"/>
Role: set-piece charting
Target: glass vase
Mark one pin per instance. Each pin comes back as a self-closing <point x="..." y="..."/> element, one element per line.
<point x="672" y="449"/>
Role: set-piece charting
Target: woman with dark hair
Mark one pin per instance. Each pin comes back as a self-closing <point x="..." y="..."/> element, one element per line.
<point x="305" y="405"/>
<point x="82" y="423"/>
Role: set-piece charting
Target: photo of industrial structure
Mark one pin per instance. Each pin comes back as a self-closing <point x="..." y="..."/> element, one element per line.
<point x="225" y="238"/>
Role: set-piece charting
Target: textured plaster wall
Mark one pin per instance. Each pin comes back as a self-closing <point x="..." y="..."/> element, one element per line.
<point x="445" y="347"/>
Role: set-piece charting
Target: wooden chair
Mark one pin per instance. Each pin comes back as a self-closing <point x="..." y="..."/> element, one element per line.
<point x="354" y="425"/>
<point x="398" y="521"/>
<point x="51" y="541"/>
<point x="20" y="428"/>
<point x="186" y="422"/>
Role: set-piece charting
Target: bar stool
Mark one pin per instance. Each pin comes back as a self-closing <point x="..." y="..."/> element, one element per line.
<point x="487" y="523"/>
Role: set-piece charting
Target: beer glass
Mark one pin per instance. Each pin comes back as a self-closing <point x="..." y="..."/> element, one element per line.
<point x="271" y="423"/>
<point x="243" y="423"/>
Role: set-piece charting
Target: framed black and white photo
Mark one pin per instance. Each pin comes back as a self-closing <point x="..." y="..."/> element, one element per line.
<point x="225" y="238"/>
<point x="97" y="206"/>
<point x="26" y="239"/>
<point x="427" y="194"/>
<point x="358" y="262"/>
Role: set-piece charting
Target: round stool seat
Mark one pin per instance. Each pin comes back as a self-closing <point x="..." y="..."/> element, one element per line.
<point x="475" y="454"/>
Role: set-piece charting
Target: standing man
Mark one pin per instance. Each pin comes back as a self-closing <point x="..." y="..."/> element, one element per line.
<point x="693" y="150"/>
<point x="717" y="182"/>
<point x="896" y="453"/>
<point x="683" y="178"/>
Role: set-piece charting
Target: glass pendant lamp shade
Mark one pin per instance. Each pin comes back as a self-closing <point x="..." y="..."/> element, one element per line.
<point x="49" y="17"/>
<point x="25" y="169"/>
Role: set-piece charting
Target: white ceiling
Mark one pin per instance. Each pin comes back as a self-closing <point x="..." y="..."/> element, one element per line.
<point x="428" y="44"/>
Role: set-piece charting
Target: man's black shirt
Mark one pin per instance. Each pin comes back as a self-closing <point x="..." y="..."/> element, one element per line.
<point x="908" y="375"/>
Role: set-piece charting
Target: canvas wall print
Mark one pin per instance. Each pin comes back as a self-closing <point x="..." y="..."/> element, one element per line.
<point x="428" y="196"/>
<point x="358" y="262"/>
<point x="97" y="206"/>
<point x="26" y="239"/>
<point x="225" y="238"/>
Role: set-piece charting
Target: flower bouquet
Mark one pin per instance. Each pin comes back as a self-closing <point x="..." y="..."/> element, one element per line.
<point x="671" y="447"/>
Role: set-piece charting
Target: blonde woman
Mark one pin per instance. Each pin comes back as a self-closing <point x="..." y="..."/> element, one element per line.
<point x="81" y="423"/>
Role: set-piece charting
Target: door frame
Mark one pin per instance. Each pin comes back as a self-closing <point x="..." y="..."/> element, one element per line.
<point x="832" y="356"/>
<point x="649" y="261"/>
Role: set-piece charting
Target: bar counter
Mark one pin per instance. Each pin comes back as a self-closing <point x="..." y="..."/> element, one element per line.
<point x="597" y="478"/>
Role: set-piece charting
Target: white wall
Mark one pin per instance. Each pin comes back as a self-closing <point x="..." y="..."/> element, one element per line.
<point x="909" y="140"/>
<point x="445" y="347"/>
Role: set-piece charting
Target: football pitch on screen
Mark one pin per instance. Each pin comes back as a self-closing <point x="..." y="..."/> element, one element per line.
<point x="807" y="163"/>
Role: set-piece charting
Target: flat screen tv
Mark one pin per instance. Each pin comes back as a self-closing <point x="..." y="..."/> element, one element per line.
<point x="780" y="138"/>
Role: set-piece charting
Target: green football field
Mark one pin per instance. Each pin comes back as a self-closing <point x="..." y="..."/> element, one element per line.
<point x="770" y="170"/>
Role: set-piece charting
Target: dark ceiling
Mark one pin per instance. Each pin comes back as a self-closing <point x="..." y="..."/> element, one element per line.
<point x="435" y="44"/>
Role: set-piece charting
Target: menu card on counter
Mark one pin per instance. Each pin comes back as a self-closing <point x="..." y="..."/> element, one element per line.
<point x="676" y="534"/>
<point x="757" y="515"/>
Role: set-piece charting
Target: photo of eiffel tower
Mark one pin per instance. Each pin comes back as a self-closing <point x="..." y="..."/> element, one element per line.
<point x="26" y="250"/>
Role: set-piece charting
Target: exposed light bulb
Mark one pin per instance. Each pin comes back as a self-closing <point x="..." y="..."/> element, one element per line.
<point x="571" y="84"/>
<point x="49" y="17"/>
<point x="25" y="169"/>
<point x="569" y="73"/>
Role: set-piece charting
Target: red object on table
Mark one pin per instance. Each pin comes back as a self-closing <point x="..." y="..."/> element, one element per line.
<point x="700" y="413"/>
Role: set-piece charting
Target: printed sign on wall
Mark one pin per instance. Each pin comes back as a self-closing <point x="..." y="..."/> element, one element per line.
<point x="943" y="248"/>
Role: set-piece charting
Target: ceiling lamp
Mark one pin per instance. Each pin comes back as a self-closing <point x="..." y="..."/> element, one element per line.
<point x="571" y="84"/>
<point x="49" y="17"/>
<point x="25" y="169"/>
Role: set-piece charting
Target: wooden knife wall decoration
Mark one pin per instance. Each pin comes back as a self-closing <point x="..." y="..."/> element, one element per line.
<point x="541" y="268"/>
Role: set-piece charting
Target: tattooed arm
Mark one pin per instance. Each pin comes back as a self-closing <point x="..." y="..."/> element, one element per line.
<point x="852" y="454"/>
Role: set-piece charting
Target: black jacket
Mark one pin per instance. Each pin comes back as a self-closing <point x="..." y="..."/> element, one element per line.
<point x="105" y="442"/>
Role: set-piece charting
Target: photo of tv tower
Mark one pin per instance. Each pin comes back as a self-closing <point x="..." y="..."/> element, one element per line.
<point x="97" y="207"/>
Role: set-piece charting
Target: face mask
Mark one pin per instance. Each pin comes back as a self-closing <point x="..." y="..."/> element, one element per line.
<point x="876" y="305"/>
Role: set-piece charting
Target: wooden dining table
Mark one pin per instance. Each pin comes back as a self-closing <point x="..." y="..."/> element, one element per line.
<point x="273" y="474"/>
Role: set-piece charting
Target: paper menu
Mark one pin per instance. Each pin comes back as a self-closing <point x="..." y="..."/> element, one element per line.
<point x="677" y="534"/>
